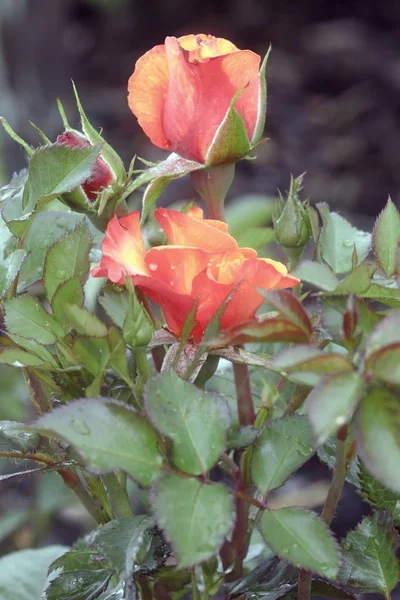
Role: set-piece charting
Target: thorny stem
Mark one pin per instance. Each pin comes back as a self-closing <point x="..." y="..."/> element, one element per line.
<point x="331" y="502"/>
<point x="304" y="585"/>
<point x="243" y="394"/>
<point x="195" y="589"/>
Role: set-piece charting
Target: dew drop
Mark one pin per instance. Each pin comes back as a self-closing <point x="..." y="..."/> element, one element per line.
<point x="340" y="420"/>
<point x="153" y="267"/>
<point x="171" y="283"/>
<point x="348" y="244"/>
<point x="172" y="267"/>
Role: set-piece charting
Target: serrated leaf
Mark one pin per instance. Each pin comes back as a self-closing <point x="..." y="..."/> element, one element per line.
<point x="303" y="539"/>
<point x="384" y="364"/>
<point x="116" y="306"/>
<point x="289" y="307"/>
<point x="332" y="402"/>
<point x="230" y="142"/>
<point x="196" y="517"/>
<point x="83" y="584"/>
<point x="69" y="292"/>
<point x="33" y="347"/>
<point x="23" y="574"/>
<point x="378" y="436"/>
<point x="195" y="421"/>
<point x="92" y="352"/>
<point x="317" y="274"/>
<point x="46" y="228"/>
<point x="280" y="449"/>
<point x="25" y="316"/>
<point x="386" y="238"/>
<point x="94" y="137"/>
<point x="370" y="564"/>
<point x="56" y="169"/>
<point x="67" y="258"/>
<point x="387" y="295"/>
<point x="386" y="332"/>
<point x="309" y="364"/>
<point x="9" y="271"/>
<point x="108" y="435"/>
<point x="357" y="282"/>
<point x="85" y="322"/>
<point x="378" y="495"/>
<point x="15" y="357"/>
<point x="337" y="240"/>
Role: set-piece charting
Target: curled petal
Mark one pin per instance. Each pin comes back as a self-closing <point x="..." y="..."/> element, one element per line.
<point x="201" y="47"/>
<point x="147" y="88"/>
<point x="123" y="250"/>
<point x="199" y="95"/>
<point x="184" y="230"/>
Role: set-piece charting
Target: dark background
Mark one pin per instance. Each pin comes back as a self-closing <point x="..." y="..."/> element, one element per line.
<point x="334" y="83"/>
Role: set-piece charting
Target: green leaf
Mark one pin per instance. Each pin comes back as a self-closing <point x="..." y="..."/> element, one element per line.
<point x="108" y="435"/>
<point x="12" y="211"/>
<point x="262" y="102"/>
<point x="56" y="169"/>
<point x="195" y="421"/>
<point x="378" y="496"/>
<point x="309" y="364"/>
<point x="33" y="347"/>
<point x="387" y="295"/>
<point x="338" y="239"/>
<point x="378" y="436"/>
<point x="268" y="330"/>
<point x="196" y="517"/>
<point x="332" y="403"/>
<point x="92" y="352"/>
<point x="230" y="142"/>
<point x="81" y="584"/>
<point x="357" y="282"/>
<point x="386" y="332"/>
<point x="327" y="455"/>
<point x="69" y="257"/>
<point x="248" y="212"/>
<point x="25" y="316"/>
<point x="116" y="306"/>
<point x="12" y="438"/>
<point x="289" y="307"/>
<point x="84" y="322"/>
<point x="256" y="237"/>
<point x="107" y="152"/>
<point x="172" y="168"/>
<point x="384" y="364"/>
<point x="68" y="293"/>
<point x="317" y="274"/>
<point x="23" y="574"/>
<point x="370" y="563"/>
<point x="332" y="317"/>
<point x="386" y="238"/>
<point x="9" y="271"/>
<point x="282" y="448"/>
<point x="46" y="228"/>
<point x="303" y="539"/>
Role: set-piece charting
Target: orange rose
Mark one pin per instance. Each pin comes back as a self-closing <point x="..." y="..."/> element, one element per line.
<point x="182" y="91"/>
<point x="202" y="264"/>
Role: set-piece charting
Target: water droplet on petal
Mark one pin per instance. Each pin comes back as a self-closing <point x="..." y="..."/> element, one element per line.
<point x="153" y="267"/>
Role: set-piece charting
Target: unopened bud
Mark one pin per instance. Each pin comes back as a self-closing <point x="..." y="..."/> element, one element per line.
<point x="291" y="225"/>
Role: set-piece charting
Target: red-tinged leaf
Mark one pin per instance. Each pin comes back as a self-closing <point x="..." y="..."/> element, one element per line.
<point x="386" y="238"/>
<point x="350" y="318"/>
<point x="385" y="333"/>
<point x="290" y="308"/>
<point x="384" y="364"/>
<point x="271" y="330"/>
<point x="308" y="358"/>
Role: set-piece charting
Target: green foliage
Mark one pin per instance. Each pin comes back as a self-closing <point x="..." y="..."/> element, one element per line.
<point x="281" y="449"/>
<point x="108" y="436"/>
<point x="195" y="516"/>
<point x="303" y="539"/>
<point x="370" y="562"/>
<point x="386" y="238"/>
<point x="177" y="408"/>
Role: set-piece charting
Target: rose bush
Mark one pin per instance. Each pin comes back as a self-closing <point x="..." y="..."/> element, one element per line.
<point x="202" y="264"/>
<point x="181" y="92"/>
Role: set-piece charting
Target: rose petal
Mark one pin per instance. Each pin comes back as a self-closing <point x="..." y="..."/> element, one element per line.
<point x="184" y="230"/>
<point x="176" y="266"/>
<point x="147" y="88"/>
